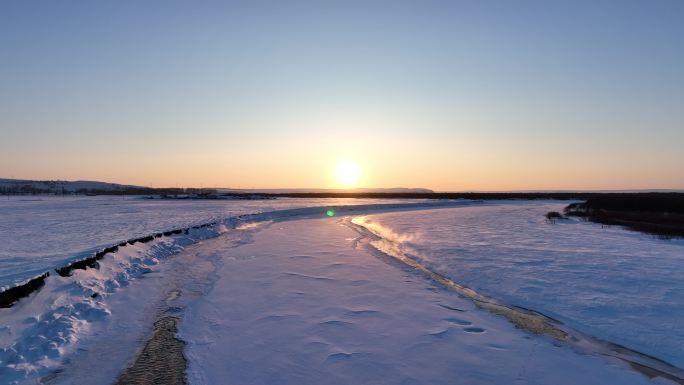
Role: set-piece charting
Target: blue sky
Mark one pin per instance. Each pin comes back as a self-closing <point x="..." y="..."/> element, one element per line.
<point x="452" y="95"/>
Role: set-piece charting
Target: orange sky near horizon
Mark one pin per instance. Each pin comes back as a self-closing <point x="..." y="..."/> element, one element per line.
<point x="464" y="172"/>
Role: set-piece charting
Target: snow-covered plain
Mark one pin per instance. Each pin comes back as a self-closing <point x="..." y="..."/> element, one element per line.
<point x="295" y="296"/>
<point x="623" y="286"/>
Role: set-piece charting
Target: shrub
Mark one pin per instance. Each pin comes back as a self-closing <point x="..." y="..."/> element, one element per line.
<point x="552" y="216"/>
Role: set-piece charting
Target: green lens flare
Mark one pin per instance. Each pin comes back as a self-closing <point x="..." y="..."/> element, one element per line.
<point x="330" y="213"/>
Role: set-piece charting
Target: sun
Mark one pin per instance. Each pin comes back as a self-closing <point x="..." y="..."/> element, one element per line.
<point x="348" y="173"/>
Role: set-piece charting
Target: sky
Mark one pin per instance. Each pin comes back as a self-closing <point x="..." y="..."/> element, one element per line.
<point x="447" y="95"/>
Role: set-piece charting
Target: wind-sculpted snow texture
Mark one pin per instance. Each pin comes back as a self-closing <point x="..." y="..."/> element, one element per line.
<point x="625" y="287"/>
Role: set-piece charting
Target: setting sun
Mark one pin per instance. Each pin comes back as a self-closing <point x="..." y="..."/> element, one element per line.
<point x="348" y="173"/>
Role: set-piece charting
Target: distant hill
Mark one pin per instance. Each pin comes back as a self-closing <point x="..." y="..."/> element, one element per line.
<point x="25" y="186"/>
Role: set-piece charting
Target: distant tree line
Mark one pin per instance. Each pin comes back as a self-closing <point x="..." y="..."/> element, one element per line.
<point x="24" y="190"/>
<point x="660" y="214"/>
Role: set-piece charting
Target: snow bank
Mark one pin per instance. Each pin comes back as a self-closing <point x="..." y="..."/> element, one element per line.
<point x="38" y="333"/>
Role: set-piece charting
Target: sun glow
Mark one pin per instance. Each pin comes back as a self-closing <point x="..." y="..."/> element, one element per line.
<point x="348" y="173"/>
